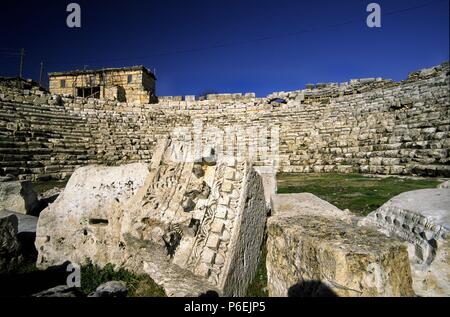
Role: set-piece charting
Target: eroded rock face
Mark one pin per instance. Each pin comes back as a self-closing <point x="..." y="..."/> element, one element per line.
<point x="421" y="218"/>
<point x="316" y="254"/>
<point x="18" y="196"/>
<point x="193" y="227"/>
<point x="9" y="245"/>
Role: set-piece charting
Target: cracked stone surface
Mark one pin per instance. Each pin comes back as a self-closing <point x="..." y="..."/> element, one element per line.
<point x="421" y="218"/>
<point x="315" y="254"/>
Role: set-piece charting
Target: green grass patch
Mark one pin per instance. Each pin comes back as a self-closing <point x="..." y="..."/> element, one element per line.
<point x="258" y="287"/>
<point x="139" y="285"/>
<point x="358" y="193"/>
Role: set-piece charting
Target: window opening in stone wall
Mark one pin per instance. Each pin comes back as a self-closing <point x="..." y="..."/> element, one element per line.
<point x="88" y="92"/>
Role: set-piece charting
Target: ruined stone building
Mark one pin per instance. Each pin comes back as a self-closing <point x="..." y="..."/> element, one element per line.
<point x="130" y="84"/>
<point x="195" y="222"/>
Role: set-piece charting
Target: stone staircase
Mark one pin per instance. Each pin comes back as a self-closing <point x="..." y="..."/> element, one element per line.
<point x="43" y="142"/>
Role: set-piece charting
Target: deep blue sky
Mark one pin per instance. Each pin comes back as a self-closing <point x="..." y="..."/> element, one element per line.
<point x="201" y="46"/>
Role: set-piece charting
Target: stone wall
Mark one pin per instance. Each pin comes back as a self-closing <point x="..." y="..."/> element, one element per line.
<point x="369" y="126"/>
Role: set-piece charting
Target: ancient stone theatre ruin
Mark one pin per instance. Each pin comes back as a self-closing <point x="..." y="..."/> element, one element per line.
<point x="183" y="189"/>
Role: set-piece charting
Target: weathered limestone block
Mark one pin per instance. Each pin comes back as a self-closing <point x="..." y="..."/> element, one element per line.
<point x="177" y="282"/>
<point x="307" y="204"/>
<point x="421" y="218"/>
<point x="316" y="254"/>
<point x="443" y="185"/>
<point x="18" y="196"/>
<point x="269" y="178"/>
<point x="193" y="226"/>
<point x="72" y="228"/>
<point x="10" y="255"/>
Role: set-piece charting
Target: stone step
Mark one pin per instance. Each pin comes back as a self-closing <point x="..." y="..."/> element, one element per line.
<point x="21" y="109"/>
<point x="25" y="150"/>
<point x="36" y="117"/>
<point x="15" y="164"/>
<point x="31" y="107"/>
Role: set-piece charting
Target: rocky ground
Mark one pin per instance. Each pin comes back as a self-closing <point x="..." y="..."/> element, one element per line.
<point x="356" y="193"/>
<point x="360" y="194"/>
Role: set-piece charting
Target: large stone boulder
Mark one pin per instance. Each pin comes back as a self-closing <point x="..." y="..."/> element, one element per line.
<point x="421" y="218"/>
<point x="18" y="196"/>
<point x="10" y="255"/>
<point x="314" y="249"/>
<point x="307" y="204"/>
<point x="73" y="227"/>
<point x="193" y="226"/>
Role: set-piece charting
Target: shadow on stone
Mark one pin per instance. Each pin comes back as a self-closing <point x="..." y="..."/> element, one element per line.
<point x="27" y="247"/>
<point x="310" y="289"/>
<point x="29" y="283"/>
<point x="209" y="294"/>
